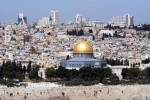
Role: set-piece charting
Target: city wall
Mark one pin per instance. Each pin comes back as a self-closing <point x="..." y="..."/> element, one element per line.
<point x="128" y="92"/>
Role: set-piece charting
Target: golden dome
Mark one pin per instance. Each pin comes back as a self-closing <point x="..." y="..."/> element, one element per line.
<point x="83" y="47"/>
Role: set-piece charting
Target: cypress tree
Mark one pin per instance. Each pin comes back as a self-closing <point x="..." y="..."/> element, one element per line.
<point x="29" y="67"/>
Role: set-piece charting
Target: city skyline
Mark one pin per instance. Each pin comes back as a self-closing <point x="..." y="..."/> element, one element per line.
<point x="94" y="10"/>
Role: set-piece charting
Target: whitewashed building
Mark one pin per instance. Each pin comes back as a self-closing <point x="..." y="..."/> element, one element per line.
<point x="122" y="21"/>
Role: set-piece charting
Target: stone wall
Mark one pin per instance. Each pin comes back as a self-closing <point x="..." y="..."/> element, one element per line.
<point x="127" y="92"/>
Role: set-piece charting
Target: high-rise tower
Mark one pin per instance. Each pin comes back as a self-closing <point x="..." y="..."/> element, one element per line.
<point x="78" y="19"/>
<point x="54" y="17"/>
<point x="22" y="20"/>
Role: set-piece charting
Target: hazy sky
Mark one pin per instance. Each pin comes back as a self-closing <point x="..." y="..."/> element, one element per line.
<point x="93" y="9"/>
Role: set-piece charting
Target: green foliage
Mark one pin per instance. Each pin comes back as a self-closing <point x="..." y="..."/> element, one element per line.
<point x="79" y="81"/>
<point x="9" y="82"/>
<point x="1" y="70"/>
<point x="62" y="73"/>
<point x="85" y="73"/>
<point x="29" y="67"/>
<point x="135" y="75"/>
<point x="144" y="81"/>
<point x="146" y="61"/>
<point x="19" y="75"/>
<point x="84" y="76"/>
<point x="74" y="82"/>
<point x="33" y="74"/>
<point x="73" y="73"/>
<point x="117" y="62"/>
<point x="24" y="70"/>
<point x="76" y="32"/>
<point x="50" y="72"/>
<point x="8" y="70"/>
<point x="145" y="27"/>
<point x="90" y="31"/>
<point x="68" y="57"/>
<point x="114" y="79"/>
<point x="130" y="73"/>
<point x="147" y="72"/>
<point x="11" y="70"/>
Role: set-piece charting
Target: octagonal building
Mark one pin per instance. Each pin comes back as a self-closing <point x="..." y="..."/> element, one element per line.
<point x="83" y="57"/>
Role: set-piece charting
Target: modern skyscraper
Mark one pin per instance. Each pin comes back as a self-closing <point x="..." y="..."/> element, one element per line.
<point x="54" y="17"/>
<point x="22" y="20"/>
<point x="78" y="19"/>
<point x="122" y="21"/>
<point x="130" y="19"/>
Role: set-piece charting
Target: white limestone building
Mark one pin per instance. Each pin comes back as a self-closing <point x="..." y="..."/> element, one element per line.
<point x="54" y="16"/>
<point x="44" y="21"/>
<point x="78" y="18"/>
<point x="97" y="24"/>
<point x="8" y="33"/>
<point x="122" y="21"/>
<point x="111" y="32"/>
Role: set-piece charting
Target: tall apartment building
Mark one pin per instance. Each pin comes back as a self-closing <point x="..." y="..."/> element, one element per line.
<point x="122" y="21"/>
<point x="78" y="19"/>
<point x="44" y="21"/>
<point x="54" y="17"/>
<point x="97" y="24"/>
<point x="22" y="20"/>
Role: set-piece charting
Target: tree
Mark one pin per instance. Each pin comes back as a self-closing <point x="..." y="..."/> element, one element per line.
<point x="109" y="35"/>
<point x="20" y="68"/>
<point x="93" y="37"/>
<point x="133" y="65"/>
<point x="33" y="74"/>
<point x="49" y="33"/>
<point x="33" y="50"/>
<point x="29" y="67"/>
<point x="85" y="73"/>
<point x="14" y="32"/>
<point x="124" y="73"/>
<point x="142" y="74"/>
<point x="50" y="72"/>
<point x="14" y="65"/>
<point x="90" y="31"/>
<point x="80" y="33"/>
<point x="68" y="57"/>
<point x="135" y="72"/>
<point x="24" y="69"/>
<point x="103" y="37"/>
<point x="114" y="79"/>
<point x="130" y="73"/>
<point x="147" y="72"/>
<point x="126" y="62"/>
<point x="20" y="76"/>
<point x="107" y="72"/>
<point x="73" y="73"/>
<point x="146" y="61"/>
<point x="62" y="72"/>
<point x="1" y="70"/>
<point x="149" y="35"/>
<point x="8" y="70"/>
